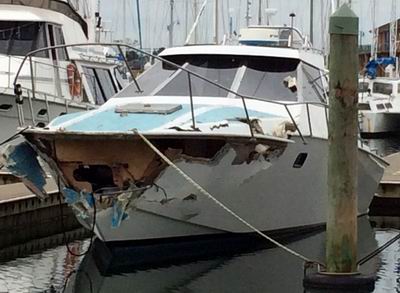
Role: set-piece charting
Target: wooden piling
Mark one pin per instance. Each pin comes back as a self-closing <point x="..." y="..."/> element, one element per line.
<point x="341" y="246"/>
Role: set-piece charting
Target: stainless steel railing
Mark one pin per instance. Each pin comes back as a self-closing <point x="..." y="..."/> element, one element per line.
<point x="190" y="74"/>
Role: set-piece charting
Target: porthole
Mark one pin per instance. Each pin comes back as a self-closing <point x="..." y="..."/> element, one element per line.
<point x="5" y="107"/>
<point x="300" y="160"/>
<point x="42" y="112"/>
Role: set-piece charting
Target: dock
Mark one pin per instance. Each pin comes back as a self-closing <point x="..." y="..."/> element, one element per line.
<point x="387" y="200"/>
<point x="29" y="224"/>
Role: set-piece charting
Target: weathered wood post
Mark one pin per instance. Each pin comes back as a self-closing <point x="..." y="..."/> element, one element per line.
<point x="341" y="244"/>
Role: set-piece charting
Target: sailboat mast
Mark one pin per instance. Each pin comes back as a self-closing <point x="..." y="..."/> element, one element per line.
<point x="124" y="21"/>
<point x="171" y="24"/>
<point x="393" y="30"/>
<point x="139" y="23"/>
<point x="374" y="32"/>
<point x="259" y="12"/>
<point x="216" y="22"/>
<point x="311" y="21"/>
<point x="186" y="17"/>
<point x="195" y="8"/>
<point x="248" y="17"/>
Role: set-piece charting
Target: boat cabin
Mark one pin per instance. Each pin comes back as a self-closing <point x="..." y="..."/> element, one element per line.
<point x="25" y="28"/>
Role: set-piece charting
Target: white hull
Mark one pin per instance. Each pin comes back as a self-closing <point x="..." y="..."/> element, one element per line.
<point x="380" y="123"/>
<point x="270" y="195"/>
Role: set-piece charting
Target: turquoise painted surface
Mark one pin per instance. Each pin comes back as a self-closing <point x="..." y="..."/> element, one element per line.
<point x="64" y="118"/>
<point x="109" y="121"/>
<point x="226" y="113"/>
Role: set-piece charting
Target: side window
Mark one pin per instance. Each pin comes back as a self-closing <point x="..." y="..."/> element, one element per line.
<point x="59" y="38"/>
<point x="56" y="37"/>
<point x="101" y="83"/>
<point x="20" y="37"/>
<point x="382" y="88"/>
<point x="398" y="88"/>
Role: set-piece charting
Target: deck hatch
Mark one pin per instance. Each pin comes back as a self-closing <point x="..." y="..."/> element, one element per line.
<point x="164" y="109"/>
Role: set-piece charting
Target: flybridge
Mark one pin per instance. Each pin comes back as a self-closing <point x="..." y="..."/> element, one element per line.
<point x="272" y="36"/>
<point x="60" y="6"/>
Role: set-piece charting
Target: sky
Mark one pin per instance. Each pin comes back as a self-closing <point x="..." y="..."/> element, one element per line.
<point x="155" y="18"/>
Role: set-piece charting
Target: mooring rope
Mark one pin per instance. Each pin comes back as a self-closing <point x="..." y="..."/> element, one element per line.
<point x="380" y="249"/>
<point x="206" y="193"/>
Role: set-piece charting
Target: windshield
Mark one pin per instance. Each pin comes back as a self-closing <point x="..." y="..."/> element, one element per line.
<point x="269" y="78"/>
<point x="20" y="37"/>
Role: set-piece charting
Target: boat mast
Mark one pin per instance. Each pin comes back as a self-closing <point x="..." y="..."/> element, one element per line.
<point x="374" y="46"/>
<point x="311" y="21"/>
<point x="186" y="16"/>
<point x="259" y="12"/>
<point x="393" y="30"/>
<point x="171" y="24"/>
<point x="248" y="17"/>
<point x="124" y="21"/>
<point x="216" y="22"/>
<point x="139" y="23"/>
<point x="195" y="8"/>
<point x="196" y="22"/>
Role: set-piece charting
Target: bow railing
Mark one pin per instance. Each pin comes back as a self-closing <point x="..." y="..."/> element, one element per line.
<point x="190" y="75"/>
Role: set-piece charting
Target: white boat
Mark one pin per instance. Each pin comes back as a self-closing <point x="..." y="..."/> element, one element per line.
<point x="247" y="123"/>
<point x="55" y="81"/>
<point x="379" y="106"/>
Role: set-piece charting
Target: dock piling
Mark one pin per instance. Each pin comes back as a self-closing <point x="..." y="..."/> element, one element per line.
<point x="341" y="244"/>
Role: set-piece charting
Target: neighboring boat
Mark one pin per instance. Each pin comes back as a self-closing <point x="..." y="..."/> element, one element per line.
<point x="379" y="100"/>
<point x="248" y="123"/>
<point x="56" y="81"/>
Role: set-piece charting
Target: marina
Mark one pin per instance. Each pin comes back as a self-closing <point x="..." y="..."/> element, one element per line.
<point x="247" y="155"/>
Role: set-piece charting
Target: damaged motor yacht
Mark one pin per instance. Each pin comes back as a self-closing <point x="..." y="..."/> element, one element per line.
<point x="248" y="123"/>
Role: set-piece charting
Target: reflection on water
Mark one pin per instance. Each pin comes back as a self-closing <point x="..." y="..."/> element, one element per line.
<point x="268" y="270"/>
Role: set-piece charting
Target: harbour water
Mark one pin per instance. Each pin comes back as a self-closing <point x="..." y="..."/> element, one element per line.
<point x="261" y="270"/>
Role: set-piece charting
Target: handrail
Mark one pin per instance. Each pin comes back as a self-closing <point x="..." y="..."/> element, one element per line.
<point x="174" y="65"/>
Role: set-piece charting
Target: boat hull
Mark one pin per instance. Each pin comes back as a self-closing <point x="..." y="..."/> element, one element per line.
<point x="271" y="195"/>
<point x="379" y="124"/>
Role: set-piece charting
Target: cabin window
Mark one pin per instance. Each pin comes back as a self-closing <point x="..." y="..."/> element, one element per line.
<point x="100" y="82"/>
<point x="56" y="38"/>
<point x="264" y="78"/>
<point x="20" y="37"/>
<point x="218" y="69"/>
<point x="398" y="88"/>
<point x="382" y="88"/>
<point x="313" y="87"/>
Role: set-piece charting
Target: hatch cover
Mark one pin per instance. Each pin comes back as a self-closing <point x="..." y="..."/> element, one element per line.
<point x="148" y="108"/>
